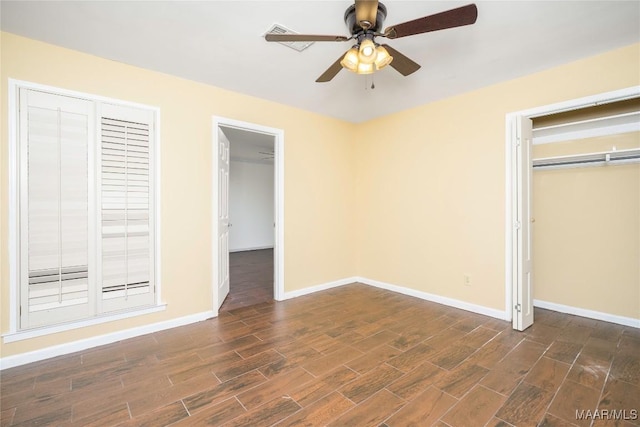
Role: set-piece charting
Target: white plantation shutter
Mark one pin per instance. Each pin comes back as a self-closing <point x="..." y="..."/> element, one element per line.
<point x="54" y="202"/>
<point x="86" y="207"/>
<point x="126" y="207"/>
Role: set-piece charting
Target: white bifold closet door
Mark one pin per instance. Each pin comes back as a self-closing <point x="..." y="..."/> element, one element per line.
<point x="126" y="208"/>
<point x="54" y="132"/>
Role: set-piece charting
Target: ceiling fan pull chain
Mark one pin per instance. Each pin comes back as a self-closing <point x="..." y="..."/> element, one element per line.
<point x="366" y="82"/>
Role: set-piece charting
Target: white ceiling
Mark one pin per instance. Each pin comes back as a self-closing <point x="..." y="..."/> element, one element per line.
<point x="221" y="43"/>
<point x="250" y="146"/>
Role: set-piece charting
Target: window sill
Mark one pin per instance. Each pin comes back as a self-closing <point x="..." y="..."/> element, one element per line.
<point x="48" y="330"/>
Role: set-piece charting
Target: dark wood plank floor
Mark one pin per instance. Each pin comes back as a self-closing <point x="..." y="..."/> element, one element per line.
<point x="350" y="356"/>
<point x="251" y="279"/>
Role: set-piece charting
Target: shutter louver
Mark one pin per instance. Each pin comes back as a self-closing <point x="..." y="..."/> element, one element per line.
<point x="125" y="185"/>
<point x="57" y="219"/>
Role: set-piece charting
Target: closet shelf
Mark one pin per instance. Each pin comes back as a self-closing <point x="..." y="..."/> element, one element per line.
<point x="610" y="125"/>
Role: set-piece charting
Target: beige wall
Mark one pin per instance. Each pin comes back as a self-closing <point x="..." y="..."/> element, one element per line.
<point x="319" y="177"/>
<point x="586" y="238"/>
<point x="417" y="200"/>
<point x="431" y="180"/>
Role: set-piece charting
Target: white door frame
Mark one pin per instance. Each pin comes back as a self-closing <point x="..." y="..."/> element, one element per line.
<point x="278" y="252"/>
<point x="511" y="190"/>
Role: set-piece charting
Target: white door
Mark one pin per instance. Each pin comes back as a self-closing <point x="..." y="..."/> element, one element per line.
<point x="223" y="217"/>
<point x="522" y="280"/>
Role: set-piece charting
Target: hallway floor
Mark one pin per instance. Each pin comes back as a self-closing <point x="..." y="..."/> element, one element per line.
<point x="251" y="279"/>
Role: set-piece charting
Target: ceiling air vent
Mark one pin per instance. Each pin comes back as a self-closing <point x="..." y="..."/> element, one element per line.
<point x="280" y="29"/>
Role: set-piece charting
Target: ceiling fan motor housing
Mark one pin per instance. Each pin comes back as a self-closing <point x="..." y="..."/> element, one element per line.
<point x="355" y="27"/>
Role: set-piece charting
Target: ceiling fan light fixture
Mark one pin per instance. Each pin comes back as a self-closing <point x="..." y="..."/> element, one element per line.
<point x="350" y="60"/>
<point x="382" y="58"/>
<point x="367" y="53"/>
<point x="365" y="68"/>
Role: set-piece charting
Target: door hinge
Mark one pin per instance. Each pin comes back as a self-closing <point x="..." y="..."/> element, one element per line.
<point x="517" y="225"/>
<point x="517" y="141"/>
<point x="518" y="308"/>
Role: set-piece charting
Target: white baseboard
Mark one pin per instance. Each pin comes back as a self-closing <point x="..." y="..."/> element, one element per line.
<point x="405" y="291"/>
<point x="253" y="248"/>
<point x="318" y="288"/>
<point x="591" y="314"/>
<point x="451" y="302"/>
<point x="59" y="350"/>
<point x="62" y="349"/>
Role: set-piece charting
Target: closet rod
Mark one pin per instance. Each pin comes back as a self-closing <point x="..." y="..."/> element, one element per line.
<point x="589" y="159"/>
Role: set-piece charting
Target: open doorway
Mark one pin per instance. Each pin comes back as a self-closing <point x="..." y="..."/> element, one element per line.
<point x="248" y="214"/>
<point x="251" y="218"/>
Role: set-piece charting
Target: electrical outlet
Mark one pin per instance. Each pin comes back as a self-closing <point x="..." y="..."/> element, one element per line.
<point x="466" y="280"/>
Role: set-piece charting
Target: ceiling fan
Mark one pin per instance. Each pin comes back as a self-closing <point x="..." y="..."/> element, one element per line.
<point x="267" y="155"/>
<point x="364" y="20"/>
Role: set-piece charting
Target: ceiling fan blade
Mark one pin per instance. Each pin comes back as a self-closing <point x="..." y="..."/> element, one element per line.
<point x="401" y="63"/>
<point x="458" y="17"/>
<point x="331" y="71"/>
<point x="366" y="12"/>
<point x="304" y="38"/>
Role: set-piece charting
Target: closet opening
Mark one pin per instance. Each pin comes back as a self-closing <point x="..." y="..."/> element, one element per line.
<point x="574" y="209"/>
